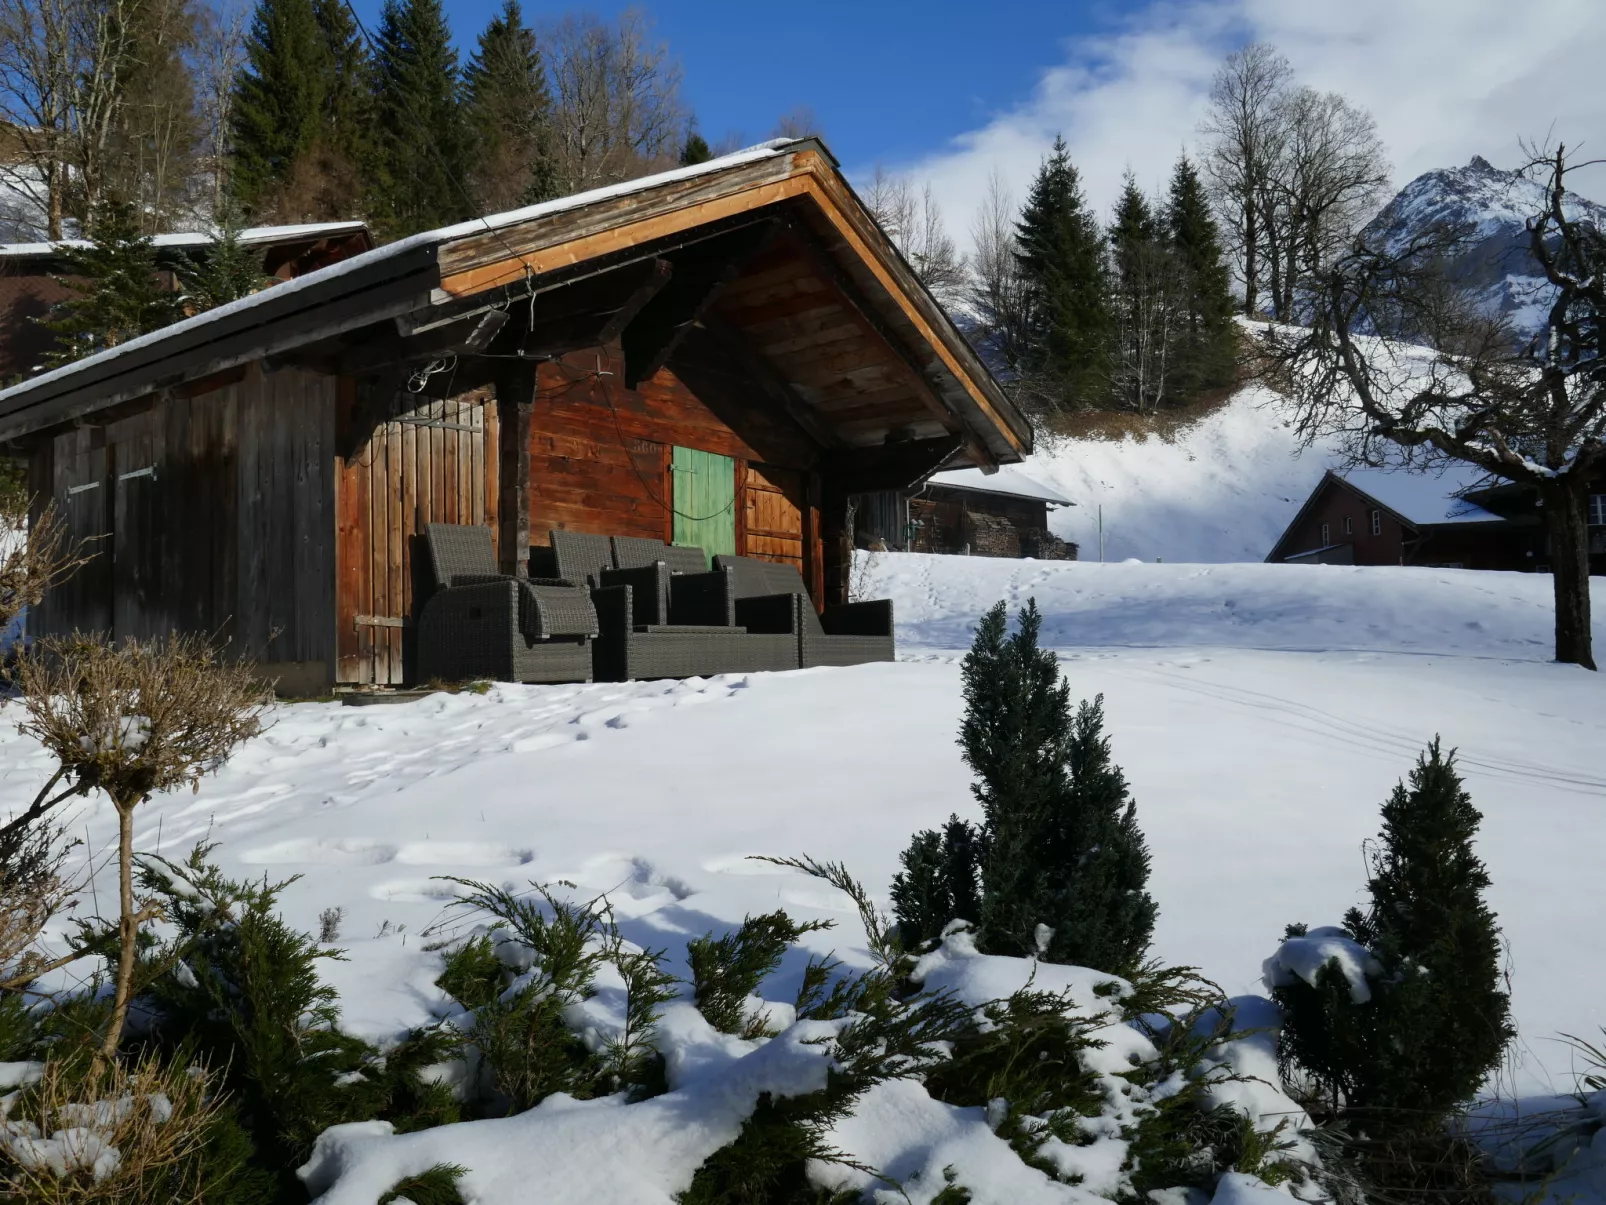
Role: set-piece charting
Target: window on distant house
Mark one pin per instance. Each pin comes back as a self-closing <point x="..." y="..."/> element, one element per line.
<point x="1325" y="536"/>
<point x="1377" y="522"/>
<point x="1597" y="510"/>
<point x="1349" y="525"/>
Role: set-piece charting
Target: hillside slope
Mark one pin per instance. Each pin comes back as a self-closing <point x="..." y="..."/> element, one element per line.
<point x="1221" y="490"/>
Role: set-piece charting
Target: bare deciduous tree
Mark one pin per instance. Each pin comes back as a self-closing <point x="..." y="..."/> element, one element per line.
<point x="617" y="112"/>
<point x="1244" y="129"/>
<point x="1535" y="416"/>
<point x="913" y="221"/>
<point x="997" y="290"/>
<point x="132" y="720"/>
<point x="220" y="54"/>
<point x="797" y="122"/>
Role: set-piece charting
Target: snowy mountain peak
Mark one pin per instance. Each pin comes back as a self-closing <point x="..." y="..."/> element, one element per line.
<point x="1495" y="206"/>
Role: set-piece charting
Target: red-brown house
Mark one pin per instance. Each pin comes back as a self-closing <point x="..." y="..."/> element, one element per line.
<point x="1366" y="516"/>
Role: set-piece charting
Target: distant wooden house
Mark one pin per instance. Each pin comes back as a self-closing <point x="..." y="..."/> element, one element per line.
<point x="30" y="274"/>
<point x="967" y="512"/>
<point x="1394" y="517"/>
<point x="721" y="356"/>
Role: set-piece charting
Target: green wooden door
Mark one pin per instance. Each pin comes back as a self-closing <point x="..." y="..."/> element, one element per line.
<point x="705" y="501"/>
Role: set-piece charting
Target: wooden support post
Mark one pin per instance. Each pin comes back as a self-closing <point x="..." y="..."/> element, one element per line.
<point x="813" y="541"/>
<point x="836" y="540"/>
<point x="515" y="403"/>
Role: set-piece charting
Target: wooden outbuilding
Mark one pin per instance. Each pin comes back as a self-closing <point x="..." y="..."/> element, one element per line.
<point x="720" y="356"/>
<point x="32" y="282"/>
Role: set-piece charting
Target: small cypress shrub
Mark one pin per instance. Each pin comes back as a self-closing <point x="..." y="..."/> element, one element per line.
<point x="1059" y="859"/>
<point x="1437" y="1021"/>
<point x="940" y="882"/>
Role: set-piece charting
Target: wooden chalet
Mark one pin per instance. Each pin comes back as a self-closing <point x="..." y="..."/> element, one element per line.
<point x="1392" y="517"/>
<point x="719" y="356"/>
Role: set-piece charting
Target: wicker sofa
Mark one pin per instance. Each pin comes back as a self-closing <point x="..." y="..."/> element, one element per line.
<point x="770" y="597"/>
<point x="661" y="612"/>
<point x="478" y="623"/>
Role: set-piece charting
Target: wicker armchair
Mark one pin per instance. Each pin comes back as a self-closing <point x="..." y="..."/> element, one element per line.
<point x="770" y="597"/>
<point x="478" y="623"/>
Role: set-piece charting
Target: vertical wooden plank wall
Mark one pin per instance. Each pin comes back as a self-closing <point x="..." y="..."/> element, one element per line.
<point x="213" y="505"/>
<point x="427" y="464"/>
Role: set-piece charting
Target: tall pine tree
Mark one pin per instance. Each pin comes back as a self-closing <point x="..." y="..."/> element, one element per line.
<point x="509" y="114"/>
<point x="1062" y="864"/>
<point x="420" y="176"/>
<point x="1207" y="351"/>
<point x="1061" y="256"/>
<point x="1436" y="1023"/>
<point x="278" y="100"/>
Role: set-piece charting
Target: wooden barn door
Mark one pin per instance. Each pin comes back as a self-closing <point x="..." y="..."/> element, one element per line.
<point x="82" y="493"/>
<point x="773" y="510"/>
<point x="434" y="461"/>
<point x="704" y="501"/>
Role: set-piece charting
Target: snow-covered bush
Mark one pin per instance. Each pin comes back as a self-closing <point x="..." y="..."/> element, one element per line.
<point x="141" y="1136"/>
<point x="1400" y="1014"/>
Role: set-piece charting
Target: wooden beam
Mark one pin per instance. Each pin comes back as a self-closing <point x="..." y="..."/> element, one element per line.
<point x="658" y="273"/>
<point x="515" y="404"/>
<point x="770" y="381"/>
<point x="700" y="274"/>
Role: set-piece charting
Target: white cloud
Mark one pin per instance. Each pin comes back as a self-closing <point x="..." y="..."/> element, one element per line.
<point x="1446" y="79"/>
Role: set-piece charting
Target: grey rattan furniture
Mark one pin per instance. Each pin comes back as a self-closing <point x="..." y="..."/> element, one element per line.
<point x="478" y="623"/>
<point x="770" y="597"/>
<point x="625" y="650"/>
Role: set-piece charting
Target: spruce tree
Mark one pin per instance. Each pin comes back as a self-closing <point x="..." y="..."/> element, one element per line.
<point x="118" y="294"/>
<point x="1061" y="257"/>
<point x="694" y="150"/>
<point x="278" y="99"/>
<point x="421" y="141"/>
<point x="1207" y="352"/>
<point x="1436" y="1023"/>
<point x="509" y="114"/>
<point x="345" y="134"/>
<point x="226" y="271"/>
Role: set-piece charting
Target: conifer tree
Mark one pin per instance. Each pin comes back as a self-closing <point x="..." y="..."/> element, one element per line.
<point x="1207" y="347"/>
<point x="420" y="160"/>
<point x="227" y="271"/>
<point x="1436" y="1023"/>
<point x="278" y="98"/>
<point x="118" y="294"/>
<point x="509" y="114"/>
<point x="1062" y="259"/>
<point x="1060" y="860"/>
<point x="694" y="150"/>
<point x="346" y="117"/>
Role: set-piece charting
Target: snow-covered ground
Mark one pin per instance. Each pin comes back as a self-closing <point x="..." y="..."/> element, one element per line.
<point x="1261" y="712"/>
<point x="1222" y="489"/>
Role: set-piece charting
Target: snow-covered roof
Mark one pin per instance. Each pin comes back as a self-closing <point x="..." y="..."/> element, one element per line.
<point x="1008" y="480"/>
<point x="1422" y="497"/>
<point x="484" y="225"/>
<point x="200" y="238"/>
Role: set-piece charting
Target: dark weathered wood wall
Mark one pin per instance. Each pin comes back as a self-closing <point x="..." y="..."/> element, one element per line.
<point x="212" y="511"/>
<point x="433" y="461"/>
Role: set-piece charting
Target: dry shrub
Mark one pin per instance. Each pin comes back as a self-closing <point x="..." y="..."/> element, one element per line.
<point x="34" y="556"/>
<point x="132" y="719"/>
<point x="133" y="1137"/>
<point x="32" y="890"/>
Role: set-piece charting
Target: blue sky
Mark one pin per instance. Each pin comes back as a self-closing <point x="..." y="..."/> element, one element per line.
<point x="956" y="95"/>
<point x="887" y="81"/>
